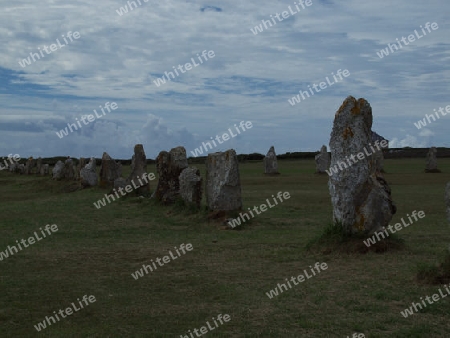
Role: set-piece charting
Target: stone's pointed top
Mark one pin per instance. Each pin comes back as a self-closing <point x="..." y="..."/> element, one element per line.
<point x="323" y="149"/>
<point x="106" y="156"/>
<point x="355" y="107"/>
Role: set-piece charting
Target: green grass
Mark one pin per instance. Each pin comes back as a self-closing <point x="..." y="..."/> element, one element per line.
<point x="95" y="251"/>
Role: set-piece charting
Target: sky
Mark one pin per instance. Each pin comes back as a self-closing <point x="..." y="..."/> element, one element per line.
<point x="117" y="58"/>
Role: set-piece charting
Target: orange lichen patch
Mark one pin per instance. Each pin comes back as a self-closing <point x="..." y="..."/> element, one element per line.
<point x="348" y="132"/>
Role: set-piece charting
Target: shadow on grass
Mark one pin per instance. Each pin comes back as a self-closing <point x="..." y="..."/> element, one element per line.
<point x="334" y="239"/>
<point x="435" y="274"/>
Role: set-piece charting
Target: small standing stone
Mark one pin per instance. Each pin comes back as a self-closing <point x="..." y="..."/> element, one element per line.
<point x="138" y="171"/>
<point x="109" y="171"/>
<point x="88" y="175"/>
<point x="38" y="165"/>
<point x="191" y="186"/>
<point x="322" y="160"/>
<point x="223" y="183"/>
<point x="57" y="170"/>
<point x="431" y="166"/>
<point x="44" y="169"/>
<point x="270" y="162"/>
<point x="169" y="166"/>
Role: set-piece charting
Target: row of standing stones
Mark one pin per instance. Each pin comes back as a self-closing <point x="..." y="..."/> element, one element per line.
<point x="360" y="196"/>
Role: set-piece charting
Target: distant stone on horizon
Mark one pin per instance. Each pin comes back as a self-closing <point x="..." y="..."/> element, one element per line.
<point x="270" y="162"/>
<point x="360" y="196"/>
<point x="322" y="160"/>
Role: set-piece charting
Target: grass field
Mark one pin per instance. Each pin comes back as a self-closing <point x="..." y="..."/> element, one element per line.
<point x="95" y="251"/>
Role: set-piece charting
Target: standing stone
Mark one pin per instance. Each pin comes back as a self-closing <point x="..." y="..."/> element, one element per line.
<point x="191" y="186"/>
<point x="322" y="160"/>
<point x="109" y="171"/>
<point x="81" y="165"/>
<point x="21" y="169"/>
<point x="138" y="174"/>
<point x="360" y="196"/>
<point x="447" y="200"/>
<point x="68" y="172"/>
<point x="88" y="175"/>
<point x="431" y="166"/>
<point x="38" y="165"/>
<point x="29" y="165"/>
<point x="169" y="166"/>
<point x="223" y="183"/>
<point x="13" y="167"/>
<point x="57" y="170"/>
<point x="44" y="169"/>
<point x="270" y="162"/>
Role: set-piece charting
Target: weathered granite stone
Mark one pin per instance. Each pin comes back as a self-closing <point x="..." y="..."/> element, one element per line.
<point x="38" y="165"/>
<point x="21" y="169"/>
<point x="191" y="186"/>
<point x="360" y="196"/>
<point x="44" y="170"/>
<point x="169" y="166"/>
<point x="270" y="162"/>
<point x="447" y="200"/>
<point x="88" y="175"/>
<point x="322" y="160"/>
<point x="58" y="170"/>
<point x="109" y="171"/>
<point x="223" y="183"/>
<point x="431" y="166"/>
<point x="139" y="171"/>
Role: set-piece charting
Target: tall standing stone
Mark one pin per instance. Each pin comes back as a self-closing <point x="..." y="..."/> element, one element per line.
<point x="360" y="196"/>
<point x="270" y="162"/>
<point x="109" y="171"/>
<point x="431" y="165"/>
<point x="88" y="175"/>
<point x="191" y="186"/>
<point x="223" y="183"/>
<point x="322" y="160"/>
<point x="169" y="166"/>
<point x="139" y="171"/>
